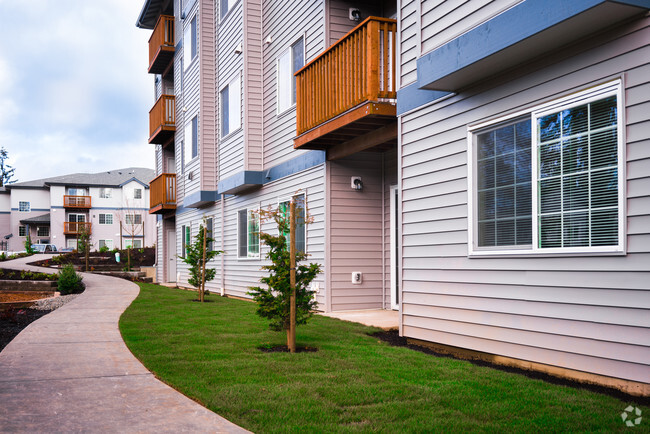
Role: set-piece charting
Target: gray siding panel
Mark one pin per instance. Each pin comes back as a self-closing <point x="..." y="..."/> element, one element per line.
<point x="564" y="311"/>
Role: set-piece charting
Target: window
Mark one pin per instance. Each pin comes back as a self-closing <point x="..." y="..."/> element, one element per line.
<point x="42" y="231"/>
<point x="106" y="243"/>
<point x="226" y="5"/>
<point x="191" y="139"/>
<point x="22" y="231"/>
<point x="549" y="180"/>
<point x="231" y="107"/>
<point x="300" y="221"/>
<point x="135" y="243"/>
<point x="24" y="206"/>
<point x="248" y="240"/>
<point x="77" y="218"/>
<point x="133" y="219"/>
<point x="105" y="219"/>
<point x="185" y="239"/>
<point x="208" y="225"/>
<point x="137" y="193"/>
<point x="105" y="193"/>
<point x="189" y="43"/>
<point x="73" y="191"/>
<point x="288" y="64"/>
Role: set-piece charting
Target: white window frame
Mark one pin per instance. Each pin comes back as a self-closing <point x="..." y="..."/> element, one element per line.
<point x="130" y="242"/>
<point x="281" y="76"/>
<point x="249" y="213"/>
<point x="191" y="132"/>
<point x="234" y="106"/>
<point x="131" y="219"/>
<point x="105" y="193"/>
<point x="193" y="39"/>
<point x="99" y="219"/>
<point x="137" y="193"/>
<point x="612" y="88"/>
<point x="107" y="243"/>
<point x="24" y="206"/>
<point x="223" y="12"/>
<point x="288" y="199"/>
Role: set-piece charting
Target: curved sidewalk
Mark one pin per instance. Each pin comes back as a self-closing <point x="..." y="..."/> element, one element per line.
<point x="70" y="371"/>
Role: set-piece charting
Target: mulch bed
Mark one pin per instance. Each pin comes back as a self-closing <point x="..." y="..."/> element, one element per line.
<point x="393" y="338"/>
<point x="14" y="321"/>
<point x="285" y="349"/>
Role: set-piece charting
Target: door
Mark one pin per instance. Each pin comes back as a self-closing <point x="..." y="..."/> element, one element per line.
<point x="171" y="165"/>
<point x="171" y="255"/>
<point x="394" y="248"/>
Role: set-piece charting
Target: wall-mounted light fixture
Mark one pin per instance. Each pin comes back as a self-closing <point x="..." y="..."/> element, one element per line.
<point x="239" y="49"/>
<point x="356" y="183"/>
<point x="354" y="14"/>
<point x="269" y="39"/>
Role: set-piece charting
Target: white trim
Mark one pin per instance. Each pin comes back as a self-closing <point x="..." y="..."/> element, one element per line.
<point x="594" y="93"/>
<point x="249" y="211"/>
<point x="288" y="50"/>
<point x="394" y="201"/>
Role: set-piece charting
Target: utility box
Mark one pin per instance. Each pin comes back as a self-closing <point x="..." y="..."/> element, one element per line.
<point x="357" y="277"/>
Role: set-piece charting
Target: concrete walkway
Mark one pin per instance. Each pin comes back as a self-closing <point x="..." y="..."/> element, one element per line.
<point x="382" y="318"/>
<point x="70" y="371"/>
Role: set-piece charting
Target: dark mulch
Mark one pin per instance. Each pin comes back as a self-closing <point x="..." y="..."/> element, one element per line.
<point x="139" y="257"/>
<point x="285" y="349"/>
<point x="393" y="338"/>
<point x="14" y="321"/>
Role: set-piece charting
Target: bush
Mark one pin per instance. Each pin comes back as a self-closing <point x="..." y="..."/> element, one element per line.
<point x="69" y="281"/>
<point x="104" y="249"/>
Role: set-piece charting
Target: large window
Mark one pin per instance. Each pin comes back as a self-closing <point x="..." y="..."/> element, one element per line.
<point x="191" y="139"/>
<point x="42" y="231"/>
<point x="289" y="63"/>
<point x="105" y="219"/>
<point x="135" y="243"/>
<point x="133" y="219"/>
<point x="248" y="239"/>
<point x="189" y="43"/>
<point x="106" y="243"/>
<point x="549" y="180"/>
<point x="300" y="221"/>
<point x="105" y="193"/>
<point x="24" y="206"/>
<point x="231" y="107"/>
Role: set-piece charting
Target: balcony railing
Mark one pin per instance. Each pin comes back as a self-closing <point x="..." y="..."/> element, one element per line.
<point x="161" y="45"/>
<point x="76" y="228"/>
<point x="76" y="201"/>
<point x="162" y="120"/>
<point x="359" y="68"/>
<point x="162" y="193"/>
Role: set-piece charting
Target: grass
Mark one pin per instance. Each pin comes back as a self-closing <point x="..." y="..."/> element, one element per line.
<point x="353" y="382"/>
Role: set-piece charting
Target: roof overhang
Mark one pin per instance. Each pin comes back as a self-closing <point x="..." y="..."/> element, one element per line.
<point x="200" y="198"/>
<point x="241" y="181"/>
<point x="519" y="34"/>
<point x="148" y="17"/>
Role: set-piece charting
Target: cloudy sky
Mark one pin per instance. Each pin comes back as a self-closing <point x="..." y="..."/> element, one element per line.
<point x="74" y="90"/>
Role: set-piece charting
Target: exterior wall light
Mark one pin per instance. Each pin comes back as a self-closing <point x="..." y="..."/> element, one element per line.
<point x="356" y="183"/>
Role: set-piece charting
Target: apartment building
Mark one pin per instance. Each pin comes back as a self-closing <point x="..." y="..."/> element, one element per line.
<point x="525" y="181"/>
<point x="111" y="206"/>
<point x="261" y="101"/>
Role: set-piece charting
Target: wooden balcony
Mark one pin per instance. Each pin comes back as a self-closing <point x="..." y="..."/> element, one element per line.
<point x="162" y="193"/>
<point x="76" y="228"/>
<point x="162" y="120"/>
<point x="76" y="202"/>
<point x="161" y="46"/>
<point x="346" y="96"/>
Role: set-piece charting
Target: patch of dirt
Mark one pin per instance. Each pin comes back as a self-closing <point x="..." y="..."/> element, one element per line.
<point x="285" y="349"/>
<point x="14" y="321"/>
<point x="393" y="338"/>
<point x="100" y="260"/>
<point x="4" y="298"/>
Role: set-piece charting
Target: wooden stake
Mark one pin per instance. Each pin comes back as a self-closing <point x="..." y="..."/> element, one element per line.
<point x="292" y="276"/>
<point x="202" y="282"/>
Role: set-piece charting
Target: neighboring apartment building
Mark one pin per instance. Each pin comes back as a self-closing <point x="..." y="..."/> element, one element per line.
<point x="236" y="132"/>
<point x="112" y="206"/>
<point x="525" y="177"/>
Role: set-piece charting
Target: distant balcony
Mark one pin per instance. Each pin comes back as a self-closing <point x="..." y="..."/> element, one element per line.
<point x="349" y="91"/>
<point x="162" y="193"/>
<point x="162" y="120"/>
<point x="76" y="201"/>
<point x="76" y="228"/>
<point x="161" y="46"/>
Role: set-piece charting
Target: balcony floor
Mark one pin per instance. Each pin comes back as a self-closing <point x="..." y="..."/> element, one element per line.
<point x="369" y="125"/>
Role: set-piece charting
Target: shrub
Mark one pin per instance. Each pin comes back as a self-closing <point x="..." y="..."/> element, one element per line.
<point x="69" y="281"/>
<point x="104" y="249"/>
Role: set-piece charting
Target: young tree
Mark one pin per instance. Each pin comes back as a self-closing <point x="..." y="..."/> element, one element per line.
<point x="6" y="171"/>
<point x="197" y="255"/>
<point x="274" y="301"/>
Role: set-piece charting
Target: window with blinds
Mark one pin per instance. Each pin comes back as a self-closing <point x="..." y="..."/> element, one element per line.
<point x="550" y="179"/>
<point x="248" y="237"/>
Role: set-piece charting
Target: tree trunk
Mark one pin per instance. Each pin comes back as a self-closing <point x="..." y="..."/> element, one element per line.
<point x="292" y="276"/>
<point x="202" y="282"/>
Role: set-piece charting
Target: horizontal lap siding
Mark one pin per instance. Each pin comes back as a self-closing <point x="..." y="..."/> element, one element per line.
<point x="244" y="273"/>
<point x="584" y="313"/>
<point x="285" y="23"/>
<point x="355" y="236"/>
<point x="390" y="179"/>
<point x="253" y="94"/>
<point x="208" y="81"/>
<point x="409" y="41"/>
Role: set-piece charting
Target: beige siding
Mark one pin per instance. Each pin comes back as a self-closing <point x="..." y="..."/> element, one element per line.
<point x="339" y="16"/>
<point x="207" y="83"/>
<point x="588" y="313"/>
<point x="253" y="125"/>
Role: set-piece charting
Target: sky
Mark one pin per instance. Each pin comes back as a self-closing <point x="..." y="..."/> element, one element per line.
<point x="74" y="90"/>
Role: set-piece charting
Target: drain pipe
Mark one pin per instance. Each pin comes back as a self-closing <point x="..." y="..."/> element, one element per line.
<point x="383" y="231"/>
<point x="223" y="277"/>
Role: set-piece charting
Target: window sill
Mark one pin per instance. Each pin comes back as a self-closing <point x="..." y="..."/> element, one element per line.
<point x="232" y="133"/>
<point x="549" y="253"/>
<point x="286" y="111"/>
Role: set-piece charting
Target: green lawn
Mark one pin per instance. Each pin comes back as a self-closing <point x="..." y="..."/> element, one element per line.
<point x="353" y="383"/>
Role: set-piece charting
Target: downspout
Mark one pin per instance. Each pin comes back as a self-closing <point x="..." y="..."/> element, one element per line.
<point x="223" y="276"/>
<point x="383" y="230"/>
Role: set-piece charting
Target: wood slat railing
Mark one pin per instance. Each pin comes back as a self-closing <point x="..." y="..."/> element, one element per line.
<point x="162" y="190"/>
<point x="358" y="67"/>
<point x="76" y="228"/>
<point x="76" y="201"/>
<point x="162" y="114"/>
<point x="163" y="34"/>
